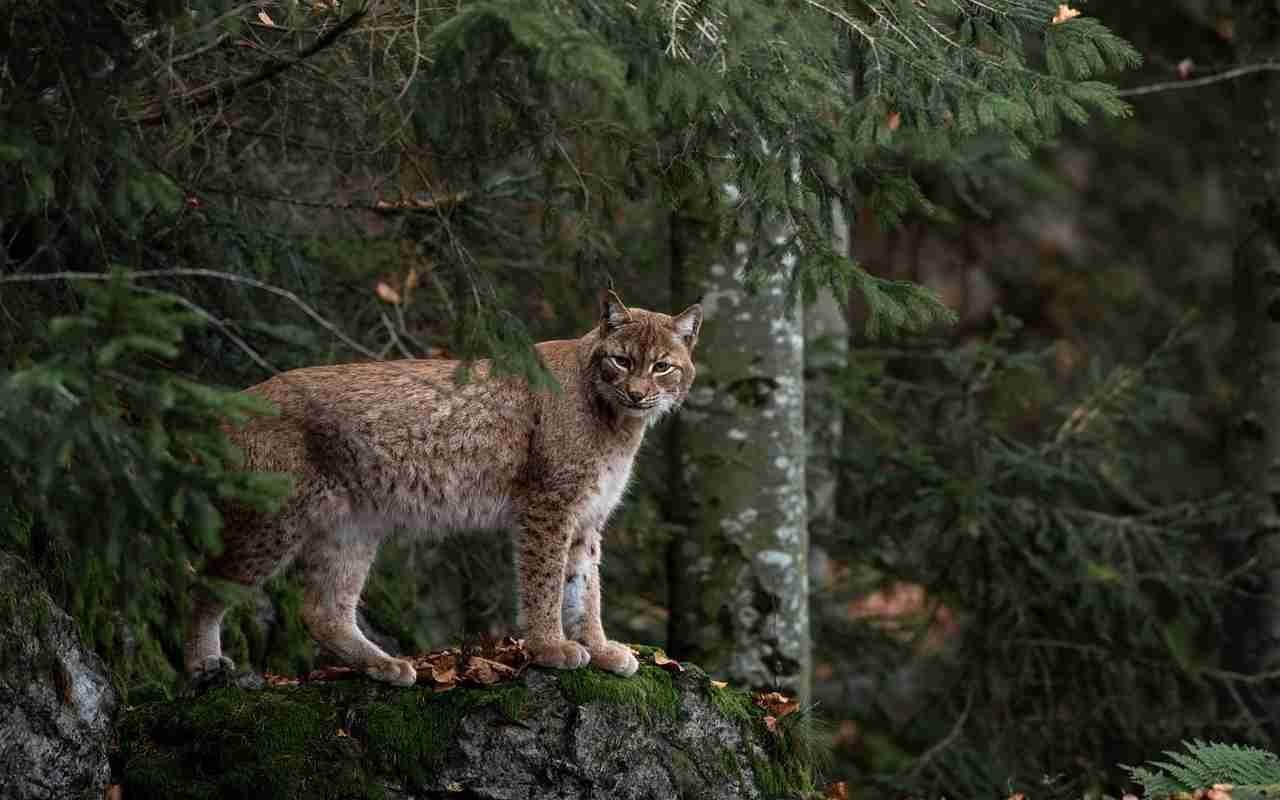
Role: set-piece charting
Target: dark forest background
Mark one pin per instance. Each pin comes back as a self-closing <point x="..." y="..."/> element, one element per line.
<point x="981" y="462"/>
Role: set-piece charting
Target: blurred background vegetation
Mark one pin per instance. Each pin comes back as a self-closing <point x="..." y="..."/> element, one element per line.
<point x="979" y="460"/>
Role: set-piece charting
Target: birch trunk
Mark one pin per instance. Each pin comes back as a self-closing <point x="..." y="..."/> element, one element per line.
<point x="739" y="576"/>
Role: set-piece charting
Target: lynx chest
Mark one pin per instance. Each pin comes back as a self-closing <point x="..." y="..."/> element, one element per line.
<point x="606" y="490"/>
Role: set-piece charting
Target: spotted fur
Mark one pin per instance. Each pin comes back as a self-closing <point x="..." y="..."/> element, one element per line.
<point x="382" y="446"/>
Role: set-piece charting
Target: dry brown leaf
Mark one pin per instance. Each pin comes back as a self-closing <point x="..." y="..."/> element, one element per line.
<point x="660" y="659"/>
<point x="776" y="703"/>
<point x="266" y="19"/>
<point x="485" y="672"/>
<point x="411" y="280"/>
<point x="387" y="294"/>
<point x="894" y="121"/>
<point x="837" y="791"/>
<point x="1065" y="12"/>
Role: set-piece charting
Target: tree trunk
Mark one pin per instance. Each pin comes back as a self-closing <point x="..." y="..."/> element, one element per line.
<point x="826" y="336"/>
<point x="1253" y="621"/>
<point x="739" y="576"/>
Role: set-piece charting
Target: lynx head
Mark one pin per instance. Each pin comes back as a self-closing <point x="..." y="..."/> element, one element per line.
<point x="642" y="361"/>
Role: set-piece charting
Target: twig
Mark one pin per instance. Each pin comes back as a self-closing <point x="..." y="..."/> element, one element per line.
<point x="1196" y="83"/>
<point x="199" y="273"/>
<point x="224" y="89"/>
<point x="946" y="741"/>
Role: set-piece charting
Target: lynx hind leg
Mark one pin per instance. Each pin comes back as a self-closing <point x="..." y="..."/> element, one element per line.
<point x="335" y="571"/>
<point x="580" y="610"/>
<point x="254" y="549"/>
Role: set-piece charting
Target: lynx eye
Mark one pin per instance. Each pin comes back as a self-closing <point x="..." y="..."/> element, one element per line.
<point x="621" y="362"/>
<point x="662" y="368"/>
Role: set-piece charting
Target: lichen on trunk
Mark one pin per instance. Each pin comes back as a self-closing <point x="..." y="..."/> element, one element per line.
<point x="739" y="575"/>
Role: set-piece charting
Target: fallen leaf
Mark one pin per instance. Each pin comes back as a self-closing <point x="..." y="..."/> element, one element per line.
<point x="720" y="684"/>
<point x="660" y="659"/>
<point x="387" y="294"/>
<point x="894" y="121"/>
<point x="266" y="19"/>
<point x="837" y="791"/>
<point x="411" y="280"/>
<point x="1065" y="12"/>
<point x="485" y="672"/>
<point x="777" y="704"/>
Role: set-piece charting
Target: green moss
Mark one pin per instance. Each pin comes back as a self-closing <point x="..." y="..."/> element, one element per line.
<point x="734" y="703"/>
<point x="797" y="754"/>
<point x="331" y="740"/>
<point x="650" y="690"/>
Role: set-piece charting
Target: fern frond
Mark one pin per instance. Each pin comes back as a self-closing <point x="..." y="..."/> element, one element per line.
<point x="1251" y="771"/>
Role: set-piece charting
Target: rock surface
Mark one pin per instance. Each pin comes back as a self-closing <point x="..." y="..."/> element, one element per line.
<point x="567" y="735"/>
<point x="56" y="701"/>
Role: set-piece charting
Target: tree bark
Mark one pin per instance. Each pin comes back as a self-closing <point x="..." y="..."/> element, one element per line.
<point x="739" y="577"/>
<point x="826" y="336"/>
<point x="1253" y="458"/>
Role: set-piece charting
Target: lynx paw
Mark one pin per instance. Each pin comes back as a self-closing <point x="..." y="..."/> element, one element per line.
<point x="209" y="668"/>
<point x="560" y="654"/>
<point x="395" y="671"/>
<point x="614" y="657"/>
<point x="213" y="672"/>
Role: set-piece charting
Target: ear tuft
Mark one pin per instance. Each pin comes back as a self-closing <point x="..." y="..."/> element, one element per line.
<point x="687" y="324"/>
<point x="613" y="314"/>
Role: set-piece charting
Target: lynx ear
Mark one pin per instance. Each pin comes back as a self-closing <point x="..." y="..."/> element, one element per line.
<point x="613" y="313"/>
<point x="686" y="325"/>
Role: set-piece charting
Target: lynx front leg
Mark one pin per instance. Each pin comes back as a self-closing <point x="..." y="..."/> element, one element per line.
<point x="542" y="546"/>
<point x="581" y="607"/>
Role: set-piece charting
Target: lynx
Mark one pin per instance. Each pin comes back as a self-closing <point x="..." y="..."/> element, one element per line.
<point x="381" y="446"/>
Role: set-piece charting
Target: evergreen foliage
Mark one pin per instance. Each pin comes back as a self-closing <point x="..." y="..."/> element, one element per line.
<point x="121" y="460"/>
<point x="1047" y="564"/>
<point x="1251" y="772"/>
<point x="478" y="157"/>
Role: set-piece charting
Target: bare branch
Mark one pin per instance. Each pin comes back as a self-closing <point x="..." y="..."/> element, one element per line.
<point x="1195" y="83"/>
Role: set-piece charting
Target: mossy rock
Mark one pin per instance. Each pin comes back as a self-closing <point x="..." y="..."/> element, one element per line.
<point x="576" y="734"/>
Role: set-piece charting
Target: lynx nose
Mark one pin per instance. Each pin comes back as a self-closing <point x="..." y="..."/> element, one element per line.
<point x="635" y="396"/>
